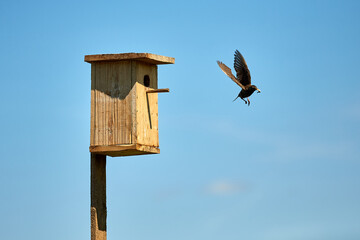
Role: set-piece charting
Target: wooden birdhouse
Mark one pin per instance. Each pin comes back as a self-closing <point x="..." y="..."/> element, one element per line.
<point x="124" y="103"/>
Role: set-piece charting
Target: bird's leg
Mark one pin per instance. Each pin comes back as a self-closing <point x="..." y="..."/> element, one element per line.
<point x="244" y="101"/>
<point x="248" y="102"/>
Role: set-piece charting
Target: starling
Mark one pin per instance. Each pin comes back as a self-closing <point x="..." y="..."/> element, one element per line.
<point x="243" y="78"/>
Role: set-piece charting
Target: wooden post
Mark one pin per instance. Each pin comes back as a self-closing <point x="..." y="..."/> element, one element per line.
<point x="98" y="197"/>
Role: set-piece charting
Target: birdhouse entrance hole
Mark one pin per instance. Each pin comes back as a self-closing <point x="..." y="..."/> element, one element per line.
<point x="146" y="81"/>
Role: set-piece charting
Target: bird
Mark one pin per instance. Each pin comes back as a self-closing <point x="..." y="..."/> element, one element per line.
<point x="243" y="77"/>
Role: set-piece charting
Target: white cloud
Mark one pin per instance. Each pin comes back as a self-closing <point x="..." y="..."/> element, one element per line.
<point x="225" y="187"/>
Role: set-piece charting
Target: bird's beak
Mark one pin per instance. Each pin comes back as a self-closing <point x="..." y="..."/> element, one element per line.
<point x="258" y="90"/>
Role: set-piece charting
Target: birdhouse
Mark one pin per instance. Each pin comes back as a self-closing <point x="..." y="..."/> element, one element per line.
<point x="124" y="103"/>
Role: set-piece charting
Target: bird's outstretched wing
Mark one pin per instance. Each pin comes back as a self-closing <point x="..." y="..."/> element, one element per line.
<point x="228" y="72"/>
<point x="241" y="68"/>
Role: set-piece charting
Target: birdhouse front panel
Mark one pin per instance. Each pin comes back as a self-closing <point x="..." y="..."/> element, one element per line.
<point x="146" y="104"/>
<point x="124" y="103"/>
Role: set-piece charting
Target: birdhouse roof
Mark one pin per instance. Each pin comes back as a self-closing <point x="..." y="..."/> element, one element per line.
<point x="143" y="57"/>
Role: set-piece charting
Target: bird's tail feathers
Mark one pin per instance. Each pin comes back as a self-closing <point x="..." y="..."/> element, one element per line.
<point x="235" y="98"/>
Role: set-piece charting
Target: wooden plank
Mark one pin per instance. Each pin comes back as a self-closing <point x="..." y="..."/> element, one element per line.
<point x="111" y="78"/>
<point x="98" y="208"/>
<point x="124" y="150"/>
<point x="162" y="90"/>
<point x="146" y="105"/>
<point x="100" y="101"/>
<point x="133" y="103"/>
<point x="105" y="81"/>
<point x="93" y="105"/>
<point x="144" y="57"/>
<point x="124" y="101"/>
<point x="98" y="105"/>
<point x="112" y="148"/>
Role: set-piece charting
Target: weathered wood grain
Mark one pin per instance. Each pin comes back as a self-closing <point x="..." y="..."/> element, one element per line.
<point x="111" y="103"/>
<point x="124" y="150"/>
<point x="124" y="103"/>
<point x="144" y="57"/>
<point x="146" y="105"/>
<point x="162" y="90"/>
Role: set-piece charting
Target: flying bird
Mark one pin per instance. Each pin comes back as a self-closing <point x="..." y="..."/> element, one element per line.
<point x="243" y="78"/>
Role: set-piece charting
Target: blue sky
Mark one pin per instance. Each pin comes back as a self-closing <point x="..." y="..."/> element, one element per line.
<point x="287" y="167"/>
